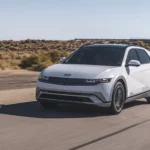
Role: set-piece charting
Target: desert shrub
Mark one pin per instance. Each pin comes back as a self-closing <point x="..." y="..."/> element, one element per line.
<point x="29" y="61"/>
<point x="6" y="57"/>
<point x="34" y="60"/>
<point x="1" y="56"/>
<point x="55" y="55"/>
<point x="41" y="66"/>
<point x="41" y="61"/>
<point x="38" y="54"/>
<point x="18" y="57"/>
<point x="3" y="64"/>
<point x="48" y="45"/>
<point x="12" y="55"/>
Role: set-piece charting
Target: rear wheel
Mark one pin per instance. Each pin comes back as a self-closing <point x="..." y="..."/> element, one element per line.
<point x="118" y="98"/>
<point x="48" y="105"/>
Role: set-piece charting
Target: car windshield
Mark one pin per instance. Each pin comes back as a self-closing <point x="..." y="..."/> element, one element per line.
<point x="97" y="55"/>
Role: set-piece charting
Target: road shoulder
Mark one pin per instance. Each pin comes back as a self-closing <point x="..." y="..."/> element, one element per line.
<point x="16" y="95"/>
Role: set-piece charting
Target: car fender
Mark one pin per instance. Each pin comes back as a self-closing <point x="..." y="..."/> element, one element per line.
<point x="115" y="81"/>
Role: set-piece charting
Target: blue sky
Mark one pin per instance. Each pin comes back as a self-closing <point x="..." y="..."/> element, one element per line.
<point x="70" y="19"/>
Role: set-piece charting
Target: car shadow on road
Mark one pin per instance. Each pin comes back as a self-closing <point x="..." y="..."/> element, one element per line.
<point x="33" y="109"/>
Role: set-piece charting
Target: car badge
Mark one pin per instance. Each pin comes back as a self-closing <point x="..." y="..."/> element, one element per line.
<point x="67" y="75"/>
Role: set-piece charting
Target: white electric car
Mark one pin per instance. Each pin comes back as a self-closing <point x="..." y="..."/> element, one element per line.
<point x="106" y="75"/>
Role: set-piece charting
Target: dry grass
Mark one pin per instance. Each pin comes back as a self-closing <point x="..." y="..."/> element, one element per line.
<point x="30" y="61"/>
<point x="38" y="54"/>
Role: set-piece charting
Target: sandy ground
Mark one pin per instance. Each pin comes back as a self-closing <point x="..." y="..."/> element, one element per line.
<point x="25" y="125"/>
<point x="17" y="79"/>
<point x="16" y="95"/>
<point x="16" y="85"/>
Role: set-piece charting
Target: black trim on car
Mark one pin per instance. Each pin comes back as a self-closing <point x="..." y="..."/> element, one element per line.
<point x="97" y="94"/>
<point x="68" y="81"/>
<point x="138" y="96"/>
<point x="65" y="97"/>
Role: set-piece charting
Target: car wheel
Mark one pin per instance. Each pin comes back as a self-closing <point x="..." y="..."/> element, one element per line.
<point x="148" y="99"/>
<point x="48" y="105"/>
<point x="118" y="98"/>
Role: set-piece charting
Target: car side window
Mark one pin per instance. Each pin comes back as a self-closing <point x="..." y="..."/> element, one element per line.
<point x="132" y="55"/>
<point x="143" y="56"/>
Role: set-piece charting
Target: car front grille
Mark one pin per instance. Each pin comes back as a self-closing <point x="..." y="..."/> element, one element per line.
<point x="64" y="81"/>
<point x="65" y="98"/>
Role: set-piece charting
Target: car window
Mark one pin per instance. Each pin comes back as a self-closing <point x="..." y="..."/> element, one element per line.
<point x="143" y="56"/>
<point x="98" y="55"/>
<point x="132" y="55"/>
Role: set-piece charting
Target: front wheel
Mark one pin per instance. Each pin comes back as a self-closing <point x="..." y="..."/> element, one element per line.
<point x="118" y="98"/>
<point x="48" y="105"/>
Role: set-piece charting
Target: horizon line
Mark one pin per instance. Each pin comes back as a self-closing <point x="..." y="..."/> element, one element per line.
<point x="80" y="39"/>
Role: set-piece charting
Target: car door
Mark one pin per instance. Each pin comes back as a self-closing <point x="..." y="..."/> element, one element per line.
<point x="145" y="68"/>
<point x="135" y="76"/>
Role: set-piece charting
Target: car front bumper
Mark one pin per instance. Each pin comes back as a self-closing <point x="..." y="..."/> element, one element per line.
<point x="65" y="96"/>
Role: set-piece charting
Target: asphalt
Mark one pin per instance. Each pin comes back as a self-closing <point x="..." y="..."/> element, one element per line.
<point x="17" y="80"/>
<point x="24" y="125"/>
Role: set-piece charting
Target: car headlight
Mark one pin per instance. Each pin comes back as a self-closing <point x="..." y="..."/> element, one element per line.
<point x="96" y="81"/>
<point x="42" y="77"/>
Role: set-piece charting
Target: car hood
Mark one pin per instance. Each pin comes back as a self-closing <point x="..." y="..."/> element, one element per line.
<point x="78" y="71"/>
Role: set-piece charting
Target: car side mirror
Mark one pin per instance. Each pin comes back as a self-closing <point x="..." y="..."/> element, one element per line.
<point x="62" y="59"/>
<point x="134" y="63"/>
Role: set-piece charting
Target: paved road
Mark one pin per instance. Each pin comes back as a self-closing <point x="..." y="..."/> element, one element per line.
<point x="26" y="126"/>
<point x="17" y="80"/>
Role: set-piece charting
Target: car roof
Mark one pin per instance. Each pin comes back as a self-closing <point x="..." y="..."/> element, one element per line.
<point x="111" y="45"/>
<point x="106" y="45"/>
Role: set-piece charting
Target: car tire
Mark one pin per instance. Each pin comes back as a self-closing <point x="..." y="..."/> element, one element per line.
<point x="48" y="105"/>
<point x="148" y="99"/>
<point x="118" y="98"/>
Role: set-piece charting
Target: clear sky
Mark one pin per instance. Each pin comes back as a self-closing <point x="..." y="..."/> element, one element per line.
<point x="70" y="19"/>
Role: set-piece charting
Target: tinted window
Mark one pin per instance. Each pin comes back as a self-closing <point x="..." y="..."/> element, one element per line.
<point x="98" y="55"/>
<point x="143" y="56"/>
<point x="132" y="55"/>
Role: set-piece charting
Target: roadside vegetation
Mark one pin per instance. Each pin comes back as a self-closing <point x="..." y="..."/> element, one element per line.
<point x="31" y="61"/>
<point x="38" y="54"/>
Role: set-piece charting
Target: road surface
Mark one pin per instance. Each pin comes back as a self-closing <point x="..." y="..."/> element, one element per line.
<point x="25" y="125"/>
<point x="17" y="79"/>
